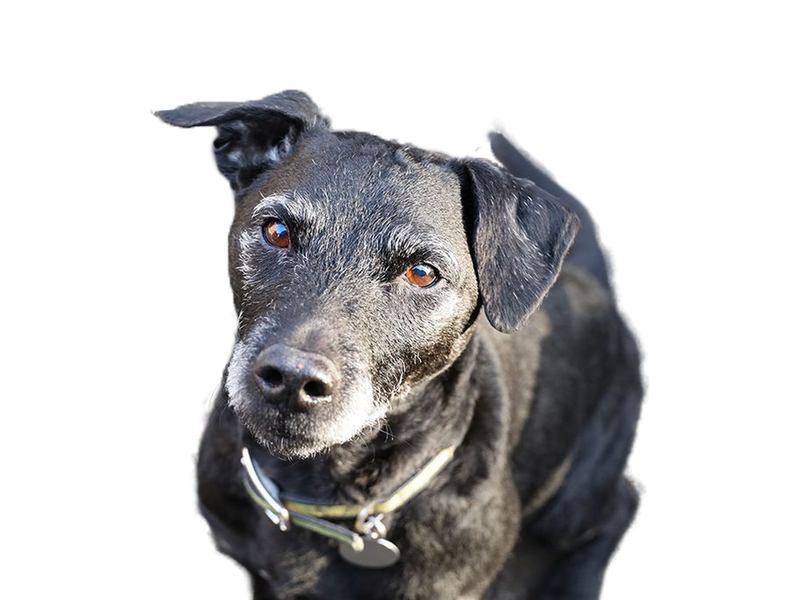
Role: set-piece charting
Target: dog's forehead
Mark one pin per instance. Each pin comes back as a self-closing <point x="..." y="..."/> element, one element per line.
<point x="358" y="178"/>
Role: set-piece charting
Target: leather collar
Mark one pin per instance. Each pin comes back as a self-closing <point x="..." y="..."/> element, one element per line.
<point x="286" y="510"/>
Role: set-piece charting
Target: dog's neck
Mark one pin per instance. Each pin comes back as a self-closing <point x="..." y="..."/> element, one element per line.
<point x="374" y="465"/>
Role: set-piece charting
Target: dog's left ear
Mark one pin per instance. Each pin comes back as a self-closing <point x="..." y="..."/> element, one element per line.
<point x="520" y="236"/>
<point x="253" y="136"/>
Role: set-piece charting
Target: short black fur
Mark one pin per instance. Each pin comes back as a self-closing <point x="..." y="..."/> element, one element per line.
<point x="535" y="500"/>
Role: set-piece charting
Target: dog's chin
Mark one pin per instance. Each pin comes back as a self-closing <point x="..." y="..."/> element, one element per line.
<point x="293" y="436"/>
<point x="288" y="447"/>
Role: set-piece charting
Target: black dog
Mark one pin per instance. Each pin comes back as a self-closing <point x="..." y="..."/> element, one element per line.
<point x="376" y="285"/>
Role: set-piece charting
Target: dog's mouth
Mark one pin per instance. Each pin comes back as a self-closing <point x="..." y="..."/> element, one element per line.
<point x="292" y="435"/>
<point x="282" y="433"/>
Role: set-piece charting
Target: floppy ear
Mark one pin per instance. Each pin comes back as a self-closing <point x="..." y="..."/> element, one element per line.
<point x="520" y="236"/>
<point x="253" y="136"/>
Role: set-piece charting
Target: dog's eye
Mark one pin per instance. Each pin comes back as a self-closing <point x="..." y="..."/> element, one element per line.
<point x="422" y="275"/>
<point x="276" y="233"/>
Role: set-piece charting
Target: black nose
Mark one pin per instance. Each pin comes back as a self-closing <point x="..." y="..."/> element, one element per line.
<point x="290" y="376"/>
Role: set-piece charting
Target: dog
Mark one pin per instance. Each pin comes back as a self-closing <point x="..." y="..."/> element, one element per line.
<point x="431" y="394"/>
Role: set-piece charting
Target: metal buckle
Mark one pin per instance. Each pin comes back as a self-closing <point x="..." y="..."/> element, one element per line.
<point x="267" y="491"/>
<point x="370" y="525"/>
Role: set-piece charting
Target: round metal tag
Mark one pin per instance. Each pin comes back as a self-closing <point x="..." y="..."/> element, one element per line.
<point x="378" y="553"/>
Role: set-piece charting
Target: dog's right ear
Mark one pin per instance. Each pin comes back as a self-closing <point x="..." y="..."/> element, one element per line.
<point x="253" y="136"/>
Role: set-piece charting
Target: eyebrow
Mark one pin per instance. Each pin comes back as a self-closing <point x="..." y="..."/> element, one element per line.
<point x="267" y="201"/>
<point x="291" y="203"/>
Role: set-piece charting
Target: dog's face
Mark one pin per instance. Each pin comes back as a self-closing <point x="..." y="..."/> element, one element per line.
<point x="359" y="265"/>
<point x="353" y="281"/>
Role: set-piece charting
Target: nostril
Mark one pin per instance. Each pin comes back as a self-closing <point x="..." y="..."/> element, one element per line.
<point x="271" y="376"/>
<point x="316" y="388"/>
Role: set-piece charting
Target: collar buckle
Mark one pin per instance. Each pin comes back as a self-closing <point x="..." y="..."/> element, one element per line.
<point x="262" y="486"/>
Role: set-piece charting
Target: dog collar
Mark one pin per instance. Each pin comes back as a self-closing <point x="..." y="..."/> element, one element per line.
<point x="367" y="546"/>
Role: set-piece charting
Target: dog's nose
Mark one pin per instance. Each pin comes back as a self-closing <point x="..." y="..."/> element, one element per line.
<point x="290" y="376"/>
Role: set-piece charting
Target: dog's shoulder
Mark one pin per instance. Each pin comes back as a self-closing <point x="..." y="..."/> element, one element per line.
<point x="578" y="298"/>
<point x="583" y="340"/>
<point x="575" y="323"/>
<point x="569" y="347"/>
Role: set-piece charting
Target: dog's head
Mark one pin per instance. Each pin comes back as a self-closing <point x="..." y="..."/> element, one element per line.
<point x="358" y="266"/>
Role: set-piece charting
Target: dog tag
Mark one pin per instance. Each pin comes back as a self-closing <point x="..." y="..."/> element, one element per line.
<point x="378" y="553"/>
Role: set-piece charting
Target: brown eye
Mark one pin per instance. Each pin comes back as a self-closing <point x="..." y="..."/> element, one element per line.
<point x="422" y="275"/>
<point x="276" y="233"/>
